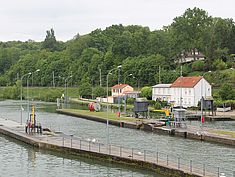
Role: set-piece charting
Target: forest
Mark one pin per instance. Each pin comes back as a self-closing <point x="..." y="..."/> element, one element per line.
<point x="141" y="52"/>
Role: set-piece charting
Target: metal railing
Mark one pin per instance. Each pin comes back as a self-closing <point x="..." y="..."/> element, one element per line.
<point x="157" y="157"/>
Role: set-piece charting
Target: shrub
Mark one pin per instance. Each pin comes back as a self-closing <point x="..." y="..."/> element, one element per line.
<point x="130" y="100"/>
<point x="219" y="64"/>
<point x="198" y="65"/>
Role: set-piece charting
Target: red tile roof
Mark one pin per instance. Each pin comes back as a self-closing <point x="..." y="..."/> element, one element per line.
<point x="186" y="81"/>
<point x="119" y="86"/>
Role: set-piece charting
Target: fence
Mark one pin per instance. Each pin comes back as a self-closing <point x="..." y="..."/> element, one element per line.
<point x="160" y="158"/>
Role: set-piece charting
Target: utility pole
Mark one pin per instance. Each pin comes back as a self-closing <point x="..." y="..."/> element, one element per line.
<point x="53" y="78"/>
<point x="159" y="74"/>
<point x="181" y="86"/>
<point x="100" y="77"/>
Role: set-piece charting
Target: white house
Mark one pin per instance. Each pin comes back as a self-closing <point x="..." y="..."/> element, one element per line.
<point x="189" y="56"/>
<point x="162" y="92"/>
<point x="190" y="89"/>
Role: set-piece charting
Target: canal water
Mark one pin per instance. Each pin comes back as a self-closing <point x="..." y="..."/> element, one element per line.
<point x="212" y="155"/>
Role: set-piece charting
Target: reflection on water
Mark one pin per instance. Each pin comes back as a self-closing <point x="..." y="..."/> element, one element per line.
<point x="21" y="160"/>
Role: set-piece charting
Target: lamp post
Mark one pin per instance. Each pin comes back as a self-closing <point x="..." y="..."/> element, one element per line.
<point x="202" y="94"/>
<point x="107" y="120"/>
<point x="126" y="77"/>
<point x="28" y="92"/>
<point x="66" y="90"/>
<point x="33" y="73"/>
<point x="21" y="90"/>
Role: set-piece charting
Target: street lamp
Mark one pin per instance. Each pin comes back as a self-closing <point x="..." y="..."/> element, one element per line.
<point x="202" y="94"/>
<point x="126" y="77"/>
<point x="66" y="90"/>
<point x="21" y="90"/>
<point x="32" y="75"/>
<point x="107" y="120"/>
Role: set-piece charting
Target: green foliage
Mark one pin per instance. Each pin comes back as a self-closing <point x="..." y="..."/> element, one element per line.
<point x="151" y="102"/>
<point x="146" y="92"/>
<point x="85" y="89"/>
<point x="219" y="64"/>
<point x="157" y="105"/>
<point x="198" y="65"/>
<point x="99" y="92"/>
<point x="130" y="100"/>
<point x="227" y="92"/>
<point x="139" y="51"/>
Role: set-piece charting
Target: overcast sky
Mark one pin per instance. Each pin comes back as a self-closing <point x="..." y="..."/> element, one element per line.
<point x="29" y="19"/>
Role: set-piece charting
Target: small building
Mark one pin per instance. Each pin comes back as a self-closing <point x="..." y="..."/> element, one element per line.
<point x="186" y="57"/>
<point x="121" y="89"/>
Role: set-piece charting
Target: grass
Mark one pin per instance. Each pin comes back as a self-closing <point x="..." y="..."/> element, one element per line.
<point x="223" y="132"/>
<point x="102" y="115"/>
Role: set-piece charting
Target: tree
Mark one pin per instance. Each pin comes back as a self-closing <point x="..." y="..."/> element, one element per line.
<point x="189" y="29"/>
<point x="227" y="92"/>
<point x="50" y="42"/>
<point x="146" y="92"/>
<point x="99" y="92"/>
<point x="85" y="89"/>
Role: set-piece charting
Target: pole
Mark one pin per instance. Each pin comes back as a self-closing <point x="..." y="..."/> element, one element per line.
<point x="107" y="121"/>
<point x="100" y="77"/>
<point x="28" y="93"/>
<point x="201" y="100"/>
<point x="53" y="78"/>
<point x="159" y="75"/>
<point x="181" y="77"/>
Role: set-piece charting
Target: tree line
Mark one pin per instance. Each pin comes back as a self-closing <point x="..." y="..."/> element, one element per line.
<point x="141" y="52"/>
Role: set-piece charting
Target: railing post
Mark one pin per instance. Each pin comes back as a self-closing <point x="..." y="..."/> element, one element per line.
<point x="204" y="170"/>
<point x="157" y="157"/>
<point x="191" y="163"/>
<point x="120" y="151"/>
<point x="178" y="162"/>
<point x="167" y="159"/>
<point x="132" y="154"/>
<point x="144" y="155"/>
<point x="218" y="171"/>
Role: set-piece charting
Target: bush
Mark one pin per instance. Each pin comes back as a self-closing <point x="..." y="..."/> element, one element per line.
<point x="130" y="100"/>
<point x="152" y="102"/>
<point x="219" y="64"/>
<point x="157" y="105"/>
<point x="198" y="65"/>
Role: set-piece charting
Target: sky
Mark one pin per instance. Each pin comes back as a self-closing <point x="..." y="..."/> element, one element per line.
<point x="29" y="19"/>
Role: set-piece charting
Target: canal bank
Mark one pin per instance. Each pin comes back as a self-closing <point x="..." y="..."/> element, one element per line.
<point x="191" y="132"/>
<point x="92" y="149"/>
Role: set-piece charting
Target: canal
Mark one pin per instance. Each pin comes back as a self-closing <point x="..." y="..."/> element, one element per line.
<point x="213" y="155"/>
